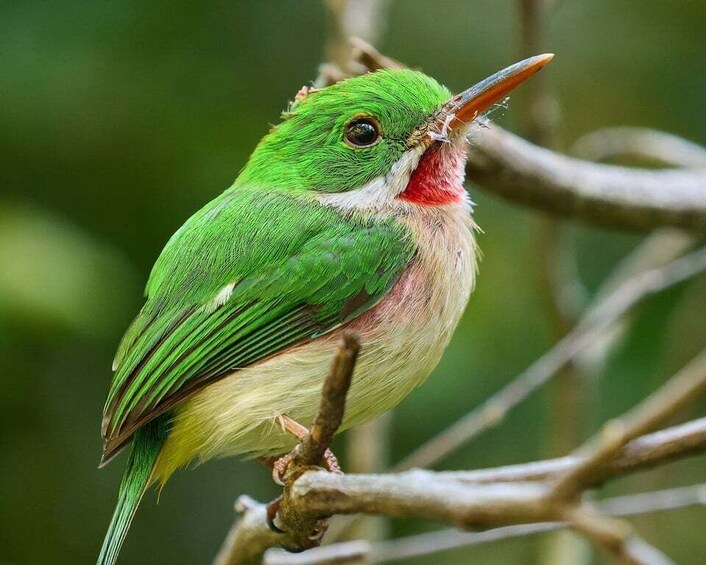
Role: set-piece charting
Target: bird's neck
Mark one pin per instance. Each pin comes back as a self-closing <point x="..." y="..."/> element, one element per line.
<point x="438" y="178"/>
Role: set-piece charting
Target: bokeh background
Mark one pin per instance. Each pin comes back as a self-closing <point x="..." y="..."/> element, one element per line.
<point x="120" y="119"/>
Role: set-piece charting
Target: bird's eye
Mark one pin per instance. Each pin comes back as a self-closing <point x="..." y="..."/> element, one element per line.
<point x="363" y="132"/>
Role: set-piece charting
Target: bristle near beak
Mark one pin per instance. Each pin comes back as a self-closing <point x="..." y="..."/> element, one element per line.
<point x="463" y="108"/>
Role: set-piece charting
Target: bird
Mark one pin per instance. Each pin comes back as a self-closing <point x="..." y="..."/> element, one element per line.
<point x="350" y="215"/>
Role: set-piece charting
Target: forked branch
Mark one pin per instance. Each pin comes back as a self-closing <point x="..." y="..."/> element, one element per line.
<point x="547" y="491"/>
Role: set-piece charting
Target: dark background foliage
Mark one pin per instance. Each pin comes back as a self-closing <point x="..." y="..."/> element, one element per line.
<point x="119" y="119"/>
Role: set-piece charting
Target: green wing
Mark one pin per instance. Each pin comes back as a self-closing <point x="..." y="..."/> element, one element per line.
<point x="247" y="276"/>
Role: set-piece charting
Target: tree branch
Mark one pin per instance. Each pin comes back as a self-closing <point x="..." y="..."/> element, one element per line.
<point x="640" y="454"/>
<point x="253" y="533"/>
<point x="488" y="497"/>
<point x="443" y="540"/>
<point x="482" y="498"/>
<point x="606" y="195"/>
<point x="333" y="404"/>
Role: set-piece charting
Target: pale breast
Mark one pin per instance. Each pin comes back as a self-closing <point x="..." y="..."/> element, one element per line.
<point x="403" y="339"/>
<point x="409" y="330"/>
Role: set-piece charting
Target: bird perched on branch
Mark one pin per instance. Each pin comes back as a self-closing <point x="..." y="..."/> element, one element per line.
<point x="350" y="214"/>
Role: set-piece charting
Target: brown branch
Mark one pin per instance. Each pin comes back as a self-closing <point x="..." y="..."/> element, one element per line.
<point x="426" y="492"/>
<point x="640" y="454"/>
<point x="439" y="496"/>
<point x="418" y="493"/>
<point x="485" y="495"/>
<point x="421" y="545"/>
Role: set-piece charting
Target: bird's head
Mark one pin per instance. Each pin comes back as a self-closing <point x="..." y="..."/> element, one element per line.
<point x="373" y="139"/>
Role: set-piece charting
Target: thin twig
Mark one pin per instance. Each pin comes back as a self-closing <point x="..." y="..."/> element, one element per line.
<point x="409" y="547"/>
<point x="679" y="391"/>
<point x="615" y="537"/>
<point x="655" y="501"/>
<point x="594" y="323"/>
<point x="344" y="552"/>
<point x="333" y="404"/>
<point x="640" y="454"/>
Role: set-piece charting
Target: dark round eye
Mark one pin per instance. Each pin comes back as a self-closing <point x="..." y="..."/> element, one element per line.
<point x="363" y="132"/>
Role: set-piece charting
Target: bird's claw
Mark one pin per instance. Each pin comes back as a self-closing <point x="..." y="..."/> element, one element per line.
<point x="272" y="510"/>
<point x="319" y="531"/>
<point x="331" y="463"/>
<point x="279" y="469"/>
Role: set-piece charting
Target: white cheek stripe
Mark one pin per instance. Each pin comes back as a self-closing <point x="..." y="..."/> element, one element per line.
<point x="380" y="191"/>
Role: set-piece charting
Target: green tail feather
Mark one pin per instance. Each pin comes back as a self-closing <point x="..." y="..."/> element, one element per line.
<point x="145" y="449"/>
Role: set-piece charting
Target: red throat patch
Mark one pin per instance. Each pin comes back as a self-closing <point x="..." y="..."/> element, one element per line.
<point x="438" y="178"/>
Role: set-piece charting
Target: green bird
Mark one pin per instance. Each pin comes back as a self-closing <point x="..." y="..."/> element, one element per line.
<point x="350" y="214"/>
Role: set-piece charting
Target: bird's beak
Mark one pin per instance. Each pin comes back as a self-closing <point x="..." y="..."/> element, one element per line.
<point x="463" y="108"/>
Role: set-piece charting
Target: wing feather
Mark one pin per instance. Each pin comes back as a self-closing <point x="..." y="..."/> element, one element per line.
<point x="246" y="277"/>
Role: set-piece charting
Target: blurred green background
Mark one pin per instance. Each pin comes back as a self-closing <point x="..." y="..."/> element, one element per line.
<point x="120" y="119"/>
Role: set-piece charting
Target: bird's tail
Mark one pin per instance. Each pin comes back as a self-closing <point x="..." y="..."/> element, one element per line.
<point x="146" y="446"/>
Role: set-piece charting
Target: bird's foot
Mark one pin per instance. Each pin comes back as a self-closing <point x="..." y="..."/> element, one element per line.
<point x="318" y="528"/>
<point x="280" y="466"/>
<point x="331" y="463"/>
